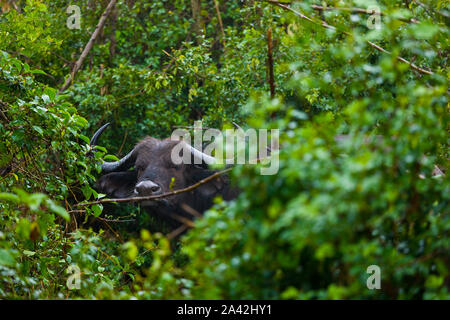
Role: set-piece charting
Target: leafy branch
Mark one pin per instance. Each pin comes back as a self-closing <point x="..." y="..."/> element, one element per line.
<point x="328" y="26"/>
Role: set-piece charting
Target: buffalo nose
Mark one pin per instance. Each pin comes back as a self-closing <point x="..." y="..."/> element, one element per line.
<point x="146" y="188"/>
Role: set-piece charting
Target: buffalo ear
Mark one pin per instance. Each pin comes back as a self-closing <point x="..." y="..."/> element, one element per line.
<point x="117" y="184"/>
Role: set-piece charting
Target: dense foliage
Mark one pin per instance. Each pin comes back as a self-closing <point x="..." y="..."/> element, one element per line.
<point x="335" y="207"/>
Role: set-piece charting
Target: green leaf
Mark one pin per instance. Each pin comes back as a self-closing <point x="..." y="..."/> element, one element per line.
<point x="100" y="148"/>
<point x="97" y="209"/>
<point x="424" y="30"/>
<point x="23" y="228"/>
<point x="111" y="157"/>
<point x="37" y="71"/>
<point x="6" y="258"/>
<point x="84" y="138"/>
<point x="58" y="210"/>
<point x="29" y="253"/>
<point x="9" y="197"/>
<point x="38" y="130"/>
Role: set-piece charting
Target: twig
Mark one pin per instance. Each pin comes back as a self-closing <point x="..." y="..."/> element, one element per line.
<point x="352" y="9"/>
<point x="412" y="65"/>
<point x="168" y="54"/>
<point x="191" y="210"/>
<point x="76" y="211"/>
<point x="176" y="232"/>
<point x="172" y="60"/>
<point x="15" y="6"/>
<point x="123" y="142"/>
<point x="4" y="116"/>
<point x="359" y="10"/>
<point x="112" y="230"/>
<point x="220" y="21"/>
<point x="116" y="220"/>
<point x="68" y="62"/>
<point x="5" y="171"/>
<point x="190" y="127"/>
<point x="427" y="8"/>
<point x="160" y="196"/>
<point x="88" y="46"/>
<point x="326" y="25"/>
<point x="270" y="62"/>
<point x="181" y="219"/>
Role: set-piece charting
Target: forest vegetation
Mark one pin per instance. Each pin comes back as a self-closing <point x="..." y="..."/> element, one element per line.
<point x="374" y="71"/>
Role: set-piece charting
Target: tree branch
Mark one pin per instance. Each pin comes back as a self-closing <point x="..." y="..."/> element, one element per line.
<point x="351" y="9"/>
<point x="160" y="196"/>
<point x="326" y="25"/>
<point x="427" y="8"/>
<point x="177" y="232"/>
<point x="270" y="62"/>
<point x="216" y="4"/>
<point x="196" y="16"/>
<point x="88" y="46"/>
<point x="358" y="10"/>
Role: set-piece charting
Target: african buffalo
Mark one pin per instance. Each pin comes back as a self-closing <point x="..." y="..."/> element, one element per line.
<point x="148" y="169"/>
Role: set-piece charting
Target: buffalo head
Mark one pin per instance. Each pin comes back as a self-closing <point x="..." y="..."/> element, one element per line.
<point x="148" y="169"/>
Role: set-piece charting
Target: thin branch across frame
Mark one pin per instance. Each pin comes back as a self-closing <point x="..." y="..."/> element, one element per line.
<point x="348" y="9"/>
<point x="328" y="26"/>
<point x="160" y="196"/>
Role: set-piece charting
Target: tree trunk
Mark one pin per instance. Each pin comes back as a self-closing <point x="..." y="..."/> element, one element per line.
<point x="197" y="27"/>
<point x="112" y="37"/>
